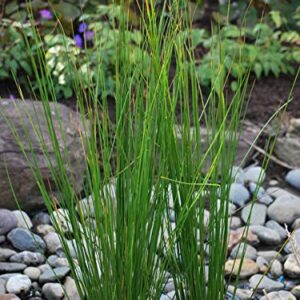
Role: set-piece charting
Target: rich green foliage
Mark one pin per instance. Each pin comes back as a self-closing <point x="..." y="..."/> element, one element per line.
<point x="260" y="49"/>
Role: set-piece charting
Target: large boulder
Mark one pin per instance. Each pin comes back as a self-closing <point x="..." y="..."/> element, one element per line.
<point x="26" y="120"/>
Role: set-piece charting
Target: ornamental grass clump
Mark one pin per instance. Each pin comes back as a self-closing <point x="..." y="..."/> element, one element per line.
<point x="152" y="157"/>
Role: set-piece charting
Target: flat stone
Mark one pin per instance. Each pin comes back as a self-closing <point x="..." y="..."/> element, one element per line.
<point x="291" y="267"/>
<point x="11" y="267"/>
<point x="243" y="249"/>
<point x="293" y="178"/>
<point x="53" y="291"/>
<point x="8" y="221"/>
<point x="254" y="174"/>
<point x="261" y="195"/>
<point x="285" y="209"/>
<point x="266" y="235"/>
<point x="18" y="284"/>
<point x="55" y="274"/>
<point x="53" y="242"/>
<point x="23" y="239"/>
<point x="277" y="227"/>
<point x="28" y="258"/>
<point x="23" y="220"/>
<point x="5" y="254"/>
<point x="238" y="194"/>
<point x="281" y="295"/>
<point x="262" y="282"/>
<point x="249" y="267"/>
<point x="2" y="239"/>
<point x="239" y="235"/>
<point x="258" y="214"/>
<point x="33" y="273"/>
<point x="71" y="289"/>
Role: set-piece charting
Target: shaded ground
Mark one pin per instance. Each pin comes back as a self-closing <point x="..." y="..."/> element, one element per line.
<point x="267" y="95"/>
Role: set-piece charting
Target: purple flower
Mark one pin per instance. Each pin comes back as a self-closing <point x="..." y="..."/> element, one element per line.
<point x="12" y="97"/>
<point x="46" y="14"/>
<point x="78" y="40"/>
<point x="82" y="27"/>
<point x="89" y="35"/>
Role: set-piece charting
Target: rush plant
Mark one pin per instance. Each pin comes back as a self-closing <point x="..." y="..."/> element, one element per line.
<point x="167" y="148"/>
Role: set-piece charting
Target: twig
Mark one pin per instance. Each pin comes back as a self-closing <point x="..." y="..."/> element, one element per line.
<point x="271" y="157"/>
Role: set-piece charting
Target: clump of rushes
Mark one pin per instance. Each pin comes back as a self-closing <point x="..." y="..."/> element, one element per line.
<point x="150" y="157"/>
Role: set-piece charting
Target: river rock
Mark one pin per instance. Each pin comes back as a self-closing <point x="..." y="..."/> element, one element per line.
<point x="238" y="194"/>
<point x="258" y="214"/>
<point x="237" y="175"/>
<point x="44" y="229"/>
<point x="53" y="291"/>
<point x="262" y="263"/>
<point x="266" y="235"/>
<point x="269" y="255"/>
<point x="55" y="274"/>
<point x="241" y="234"/>
<point x="262" y="282"/>
<point x="23" y="239"/>
<point x="276" y="268"/>
<point x="296" y="291"/>
<point x="235" y="222"/>
<point x="261" y="195"/>
<point x="33" y="273"/>
<point x="71" y="289"/>
<point x="23" y="220"/>
<point x="281" y="295"/>
<point x="53" y="242"/>
<point x="9" y="297"/>
<point x="255" y="174"/>
<point x="22" y="117"/>
<point x="242" y="248"/>
<point x="249" y="267"/>
<point x="293" y="178"/>
<point x="291" y="267"/>
<point x="8" y="220"/>
<point x="18" y="284"/>
<point x="86" y="206"/>
<point x="277" y="192"/>
<point x="41" y="218"/>
<point x="242" y="294"/>
<point x="296" y="239"/>
<point x="11" y="267"/>
<point x="285" y="209"/>
<point x="28" y="258"/>
<point x="277" y="227"/>
<point x="5" y="254"/>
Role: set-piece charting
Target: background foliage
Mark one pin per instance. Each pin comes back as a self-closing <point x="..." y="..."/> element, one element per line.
<point x="261" y="36"/>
